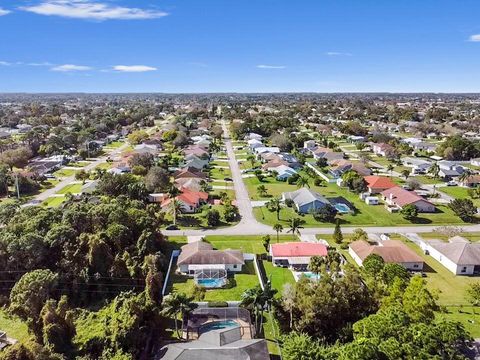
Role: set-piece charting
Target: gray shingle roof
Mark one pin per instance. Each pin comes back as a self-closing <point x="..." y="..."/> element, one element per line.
<point x="304" y="196"/>
<point x="461" y="253"/>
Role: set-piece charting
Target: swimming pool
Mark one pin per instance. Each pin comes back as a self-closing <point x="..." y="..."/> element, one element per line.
<point x="342" y="208"/>
<point x="311" y="275"/>
<point x="211" y="283"/>
<point x="217" y="325"/>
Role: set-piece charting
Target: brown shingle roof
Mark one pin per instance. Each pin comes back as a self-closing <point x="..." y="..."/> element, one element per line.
<point x="200" y="252"/>
<point x="391" y="251"/>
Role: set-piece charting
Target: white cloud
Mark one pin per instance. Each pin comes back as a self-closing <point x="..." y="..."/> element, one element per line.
<point x="45" y="63"/>
<point x="4" y="12"/>
<point x="271" y="66"/>
<point x="5" y="63"/>
<point x="475" y="38"/>
<point x="88" y="9"/>
<point x="337" y="53"/>
<point x="133" y="68"/>
<point x="70" y="67"/>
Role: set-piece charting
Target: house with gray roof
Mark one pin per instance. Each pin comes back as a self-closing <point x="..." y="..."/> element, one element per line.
<point x="305" y="200"/>
<point x="458" y="255"/>
<point x="225" y="344"/>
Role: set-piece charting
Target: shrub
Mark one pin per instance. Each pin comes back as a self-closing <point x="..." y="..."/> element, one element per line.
<point x="217" y="304"/>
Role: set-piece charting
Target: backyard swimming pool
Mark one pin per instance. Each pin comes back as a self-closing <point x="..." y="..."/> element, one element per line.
<point x="216" y="325"/>
<point x="211" y="283"/>
<point x="342" y="208"/>
<point x="311" y="275"/>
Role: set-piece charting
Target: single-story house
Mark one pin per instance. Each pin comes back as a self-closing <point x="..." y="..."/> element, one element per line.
<point x="450" y="169"/>
<point x="419" y="166"/>
<point x="309" y="144"/>
<point x="458" y="255"/>
<point x="471" y="181"/>
<point x="195" y="162"/>
<point x="200" y="255"/>
<point x="266" y="149"/>
<point x="193" y="184"/>
<point x="254" y="136"/>
<point x="399" y="197"/>
<point x="391" y="251"/>
<point x="254" y="143"/>
<point x="327" y="154"/>
<point x="189" y="172"/>
<point x="295" y="254"/>
<point x="475" y="162"/>
<point x="225" y="344"/>
<point x="377" y="184"/>
<point x="89" y="187"/>
<point x="338" y="167"/>
<point x="189" y="200"/>
<point x="305" y="200"/>
<point x="284" y="172"/>
<point x="382" y="149"/>
<point x="146" y="149"/>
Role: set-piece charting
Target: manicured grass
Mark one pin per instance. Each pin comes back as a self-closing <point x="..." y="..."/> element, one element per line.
<point x="230" y="193"/>
<point x="54" y="201"/>
<point x="79" y="164"/>
<point x="13" y="326"/>
<point x="72" y="188"/>
<point x="469" y="316"/>
<point x="197" y="220"/>
<point x="451" y="289"/>
<point x="279" y="276"/>
<point x="48" y="184"/>
<point x="425" y="179"/>
<point x="458" y="192"/>
<point x="220" y="173"/>
<point x="246" y="243"/>
<point x="64" y="172"/>
<point x="105" y="166"/>
<point x="243" y="281"/>
<point x="114" y="145"/>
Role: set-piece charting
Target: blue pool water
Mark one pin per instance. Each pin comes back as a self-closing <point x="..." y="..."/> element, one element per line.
<point x="311" y="275"/>
<point x="216" y="325"/>
<point x="342" y="208"/>
<point x="211" y="283"/>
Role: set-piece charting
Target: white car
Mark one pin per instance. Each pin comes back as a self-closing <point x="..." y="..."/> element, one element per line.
<point x="452" y="183"/>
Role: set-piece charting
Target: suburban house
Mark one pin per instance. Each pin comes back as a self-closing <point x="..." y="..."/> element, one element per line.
<point x="146" y="149"/>
<point x="295" y="254"/>
<point x="396" y="198"/>
<point x="458" y="255"/>
<point x="266" y="149"/>
<point x="341" y="166"/>
<point x="254" y="136"/>
<point x="377" y="184"/>
<point x="391" y="251"/>
<point x="419" y="166"/>
<point x="189" y="172"/>
<point x="471" y="181"/>
<point x="424" y="146"/>
<point x="284" y="172"/>
<point x="305" y="200"/>
<point x="254" y="143"/>
<point x="309" y="144"/>
<point x="449" y="169"/>
<point x="200" y="255"/>
<point x="196" y="162"/>
<point x="475" y="162"/>
<point x="326" y="153"/>
<point x="189" y="200"/>
<point x="194" y="184"/>
<point x="198" y="150"/>
<point x="225" y="344"/>
<point x="382" y="149"/>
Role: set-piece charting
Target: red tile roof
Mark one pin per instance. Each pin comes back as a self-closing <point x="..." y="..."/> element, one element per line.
<point x="297" y="249"/>
<point x="379" y="182"/>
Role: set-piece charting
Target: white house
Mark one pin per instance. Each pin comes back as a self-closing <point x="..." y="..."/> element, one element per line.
<point x="475" y="162"/>
<point x="309" y="144"/>
<point x="458" y="255"/>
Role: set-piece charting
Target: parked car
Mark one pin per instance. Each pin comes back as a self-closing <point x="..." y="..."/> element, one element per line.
<point x="171" y="227"/>
<point x="452" y="183"/>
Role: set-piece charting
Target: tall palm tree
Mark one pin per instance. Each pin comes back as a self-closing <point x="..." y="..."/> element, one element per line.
<point x="173" y="192"/>
<point x="465" y="175"/>
<point x="252" y="300"/>
<point x="274" y="205"/>
<point x="278" y="228"/>
<point x="178" y="304"/>
<point x="434" y="170"/>
<point x="302" y="181"/>
<point x="406" y="173"/>
<point x="251" y="158"/>
<point x="390" y="169"/>
<point x="295" y="226"/>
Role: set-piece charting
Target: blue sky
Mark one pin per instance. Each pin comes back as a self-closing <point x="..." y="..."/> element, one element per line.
<point x="242" y="46"/>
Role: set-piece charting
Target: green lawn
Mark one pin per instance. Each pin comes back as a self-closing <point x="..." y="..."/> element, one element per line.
<point x="72" y="188"/>
<point x="466" y="315"/>
<point x="243" y="281"/>
<point x="459" y="192"/>
<point x="230" y="193"/>
<point x="64" y="172"/>
<point x="197" y="220"/>
<point x="451" y="288"/>
<point x="246" y="243"/>
<point x="278" y="275"/>
<point x="220" y="173"/>
<point x="472" y="236"/>
<point x="54" y="201"/>
<point x="425" y="179"/>
<point x="114" y="145"/>
<point x="14" y="327"/>
<point x="79" y="164"/>
<point x="104" y="166"/>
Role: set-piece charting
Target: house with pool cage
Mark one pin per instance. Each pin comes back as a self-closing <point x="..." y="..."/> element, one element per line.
<point x="209" y="267"/>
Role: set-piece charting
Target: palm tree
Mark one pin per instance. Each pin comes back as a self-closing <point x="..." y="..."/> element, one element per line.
<point x="434" y="170"/>
<point x="178" y="304"/>
<point x="302" y="181"/>
<point x="173" y="192"/>
<point x="278" y="228"/>
<point x="251" y="158"/>
<point x="390" y="169"/>
<point x="295" y="226"/>
<point x="465" y="175"/>
<point x="262" y="190"/>
<point x="175" y="208"/>
<point x="288" y="300"/>
<point x="275" y="205"/>
<point x="406" y="173"/>
<point x="252" y="300"/>
<point x="316" y="263"/>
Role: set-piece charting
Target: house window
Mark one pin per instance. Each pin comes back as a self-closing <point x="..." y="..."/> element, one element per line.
<point x="234" y="266"/>
<point x="415" y="266"/>
<point x="464" y="269"/>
